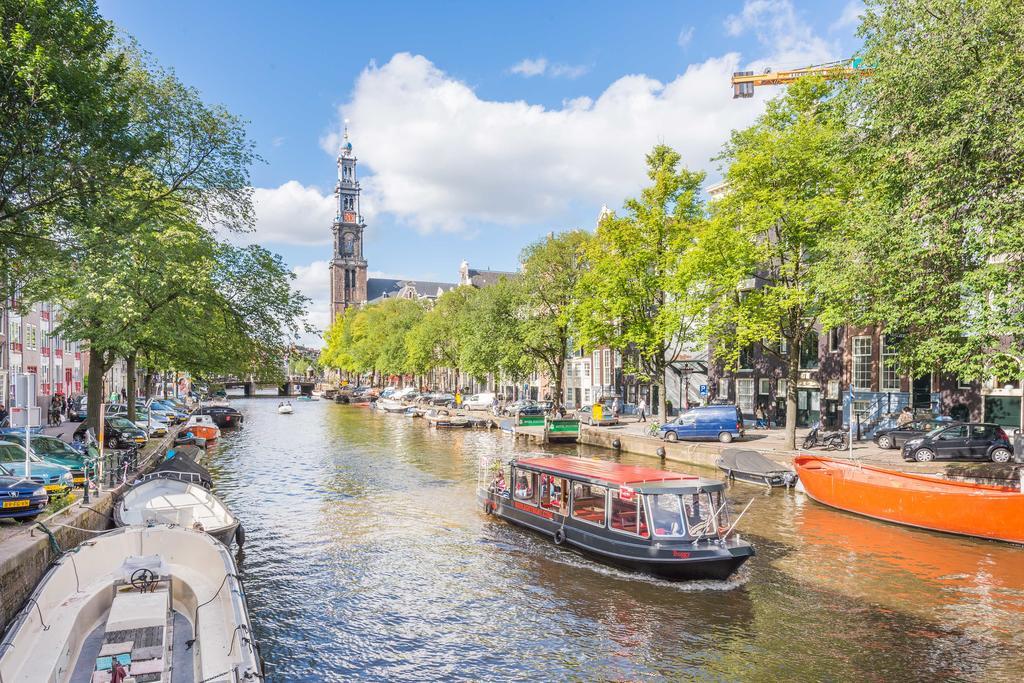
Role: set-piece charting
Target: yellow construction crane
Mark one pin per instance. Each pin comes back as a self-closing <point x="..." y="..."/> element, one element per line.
<point x="744" y="82"/>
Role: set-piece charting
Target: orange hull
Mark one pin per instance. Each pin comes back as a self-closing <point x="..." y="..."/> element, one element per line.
<point x="204" y="432"/>
<point x="994" y="512"/>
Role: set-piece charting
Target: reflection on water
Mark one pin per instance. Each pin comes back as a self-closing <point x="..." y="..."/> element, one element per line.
<point x="366" y="557"/>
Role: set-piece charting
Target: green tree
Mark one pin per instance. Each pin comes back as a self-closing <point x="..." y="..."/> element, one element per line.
<point x="491" y="333"/>
<point x="937" y="253"/>
<point x="547" y="287"/>
<point x="632" y="266"/>
<point x="763" y="255"/>
<point x="434" y="342"/>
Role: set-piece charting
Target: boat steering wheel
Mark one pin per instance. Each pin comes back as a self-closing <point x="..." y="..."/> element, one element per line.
<point x="143" y="579"/>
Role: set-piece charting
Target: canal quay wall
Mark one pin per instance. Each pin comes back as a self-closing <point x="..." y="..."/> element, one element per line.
<point x="26" y="555"/>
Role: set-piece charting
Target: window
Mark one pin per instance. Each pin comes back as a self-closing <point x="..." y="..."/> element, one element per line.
<point x="723" y="389"/>
<point x="554" y="493"/>
<point x="862" y="363"/>
<point x="861" y="408"/>
<point x="607" y="367"/>
<point x="745" y="395"/>
<point x="627" y="512"/>
<point x="31" y="336"/>
<point x="964" y="383"/>
<point x="586" y="395"/>
<point x="704" y="513"/>
<point x="809" y="351"/>
<point x="14" y="327"/>
<point x="526" y="488"/>
<point x="833" y="340"/>
<point x="586" y="369"/>
<point x="588" y="503"/>
<point x="780" y="391"/>
<point x="764" y="386"/>
<point x="746" y="360"/>
<point x="953" y="433"/>
<point x="890" y="379"/>
<point x="666" y="515"/>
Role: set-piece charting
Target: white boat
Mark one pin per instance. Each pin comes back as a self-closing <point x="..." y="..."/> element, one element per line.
<point x="285" y="408"/>
<point x="156" y="600"/>
<point x="391" y="406"/>
<point x="165" y="500"/>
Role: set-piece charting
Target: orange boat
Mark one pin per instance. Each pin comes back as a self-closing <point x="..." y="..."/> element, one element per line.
<point x="994" y="512"/>
<point x="204" y="427"/>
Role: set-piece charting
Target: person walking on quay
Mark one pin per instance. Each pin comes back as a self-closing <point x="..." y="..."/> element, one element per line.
<point x="641" y="411"/>
<point x="759" y="417"/>
<point x="3" y="415"/>
<point x="906" y="416"/>
<point x="615" y="407"/>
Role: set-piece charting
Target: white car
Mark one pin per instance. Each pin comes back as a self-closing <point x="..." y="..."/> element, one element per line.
<point x="478" y="401"/>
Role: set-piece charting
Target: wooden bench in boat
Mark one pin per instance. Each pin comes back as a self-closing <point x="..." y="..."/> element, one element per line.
<point x="138" y="633"/>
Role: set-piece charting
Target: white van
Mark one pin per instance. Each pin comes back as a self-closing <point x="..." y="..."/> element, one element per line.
<point x="478" y="401"/>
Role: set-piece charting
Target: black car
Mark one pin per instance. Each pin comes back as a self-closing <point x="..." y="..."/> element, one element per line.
<point x="118" y="432"/>
<point x="223" y="416"/>
<point x="974" y="441"/>
<point x="895" y="437"/>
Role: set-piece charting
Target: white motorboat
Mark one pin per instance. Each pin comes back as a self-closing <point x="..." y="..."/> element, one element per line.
<point x="285" y="408"/>
<point x="152" y="600"/>
<point x="176" y="500"/>
<point x="391" y="406"/>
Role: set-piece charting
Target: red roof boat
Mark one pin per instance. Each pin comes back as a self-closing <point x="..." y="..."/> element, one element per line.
<point x="955" y="507"/>
<point x="664" y="523"/>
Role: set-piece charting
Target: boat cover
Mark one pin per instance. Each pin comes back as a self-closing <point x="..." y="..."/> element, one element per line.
<point x="183" y="462"/>
<point x="746" y="460"/>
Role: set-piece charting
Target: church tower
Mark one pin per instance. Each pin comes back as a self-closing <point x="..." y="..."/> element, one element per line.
<point x="348" y="267"/>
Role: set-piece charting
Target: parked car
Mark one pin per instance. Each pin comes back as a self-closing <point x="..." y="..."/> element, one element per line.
<point x="53" y="450"/>
<point x="168" y="409"/>
<point x="895" y="437"/>
<point x="223" y="416"/>
<point x="150" y="423"/>
<point x="722" y="422"/>
<point x="53" y="478"/>
<point x="523" y="407"/>
<point x="22" y="498"/>
<point x="79" y="409"/>
<point x="585" y="414"/>
<point x="118" y="432"/>
<point x="443" y="400"/>
<point x="970" y="441"/>
<point x="478" y="401"/>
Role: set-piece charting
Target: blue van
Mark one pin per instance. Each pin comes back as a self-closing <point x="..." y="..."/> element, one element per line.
<point x="724" y="423"/>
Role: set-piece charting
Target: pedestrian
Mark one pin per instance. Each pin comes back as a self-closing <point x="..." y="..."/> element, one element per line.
<point x="124" y="395"/>
<point x="905" y="417"/>
<point x="759" y="419"/>
<point x="3" y="415"/>
<point x="615" y="407"/>
<point x="641" y="411"/>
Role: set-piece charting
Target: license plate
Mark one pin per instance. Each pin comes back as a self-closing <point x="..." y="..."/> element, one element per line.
<point x="16" y="503"/>
<point x="80" y="480"/>
<point x="54" y="487"/>
<point x="140" y="439"/>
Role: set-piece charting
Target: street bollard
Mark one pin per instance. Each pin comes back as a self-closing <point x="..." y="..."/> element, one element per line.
<point x="1018" y="445"/>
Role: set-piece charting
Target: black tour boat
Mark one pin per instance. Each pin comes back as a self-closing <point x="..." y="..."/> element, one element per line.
<point x="674" y="526"/>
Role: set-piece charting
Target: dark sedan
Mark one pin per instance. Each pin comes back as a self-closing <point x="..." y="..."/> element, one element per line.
<point x="118" y="432"/>
<point x="20" y="498"/>
<point x="895" y="437"/>
<point x="975" y="441"/>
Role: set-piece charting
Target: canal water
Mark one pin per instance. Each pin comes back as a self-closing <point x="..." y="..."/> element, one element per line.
<point x="366" y="557"/>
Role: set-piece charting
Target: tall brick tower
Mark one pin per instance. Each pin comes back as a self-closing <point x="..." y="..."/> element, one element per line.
<point x="348" y="267"/>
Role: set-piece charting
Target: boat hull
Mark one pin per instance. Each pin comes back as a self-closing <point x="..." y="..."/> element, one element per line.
<point x="991" y="512"/>
<point x="670" y="560"/>
<point x="772" y="479"/>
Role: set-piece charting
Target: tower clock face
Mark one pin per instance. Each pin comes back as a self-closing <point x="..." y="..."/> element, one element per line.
<point x="350" y="217"/>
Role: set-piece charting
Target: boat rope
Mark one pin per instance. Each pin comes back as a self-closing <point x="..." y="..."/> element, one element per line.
<point x="216" y="676"/>
<point x="54" y="545"/>
<point x="190" y="643"/>
<point x="40" y="611"/>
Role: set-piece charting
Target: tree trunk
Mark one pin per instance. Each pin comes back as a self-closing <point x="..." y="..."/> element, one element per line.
<point x="792" y="373"/>
<point x="130" y="360"/>
<point x="94" y="390"/>
<point x="662" y="399"/>
<point x="149" y="384"/>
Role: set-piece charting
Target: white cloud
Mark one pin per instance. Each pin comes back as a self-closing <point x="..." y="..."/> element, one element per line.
<point x="313" y="280"/>
<point x="850" y="17"/>
<point x="685" y="36"/>
<point x="530" y="67"/>
<point x="443" y="158"/>
<point x="292" y="214"/>
<point x="778" y="27"/>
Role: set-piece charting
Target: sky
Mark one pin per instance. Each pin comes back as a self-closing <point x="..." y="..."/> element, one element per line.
<point x="479" y="126"/>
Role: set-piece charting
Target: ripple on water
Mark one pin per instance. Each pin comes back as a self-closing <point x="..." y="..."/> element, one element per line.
<point x="366" y="558"/>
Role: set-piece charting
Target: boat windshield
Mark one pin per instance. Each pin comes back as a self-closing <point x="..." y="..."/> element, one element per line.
<point x="666" y="515"/>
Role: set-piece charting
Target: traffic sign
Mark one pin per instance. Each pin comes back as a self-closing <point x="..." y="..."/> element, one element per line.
<point x="703" y="389"/>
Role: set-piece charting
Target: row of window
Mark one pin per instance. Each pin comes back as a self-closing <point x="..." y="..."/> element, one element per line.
<point x="622" y="510"/>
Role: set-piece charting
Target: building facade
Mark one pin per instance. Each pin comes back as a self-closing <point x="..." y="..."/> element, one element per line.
<point x="32" y="346"/>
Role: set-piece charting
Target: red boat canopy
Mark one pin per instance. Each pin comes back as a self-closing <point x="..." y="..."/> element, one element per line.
<point x="610" y="472"/>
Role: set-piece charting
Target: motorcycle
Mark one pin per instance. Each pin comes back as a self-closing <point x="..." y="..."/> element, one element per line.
<point x="830" y="441"/>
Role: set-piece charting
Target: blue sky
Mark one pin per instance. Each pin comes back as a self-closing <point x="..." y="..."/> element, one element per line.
<point x="479" y="126"/>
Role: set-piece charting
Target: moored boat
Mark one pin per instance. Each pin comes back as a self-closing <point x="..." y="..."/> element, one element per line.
<point x="150" y="600"/>
<point x="743" y="464"/>
<point x="442" y="418"/>
<point x="675" y="526"/>
<point x="175" y="500"/>
<point x="391" y="406"/>
<point x="202" y="426"/>
<point x="956" y="507"/>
